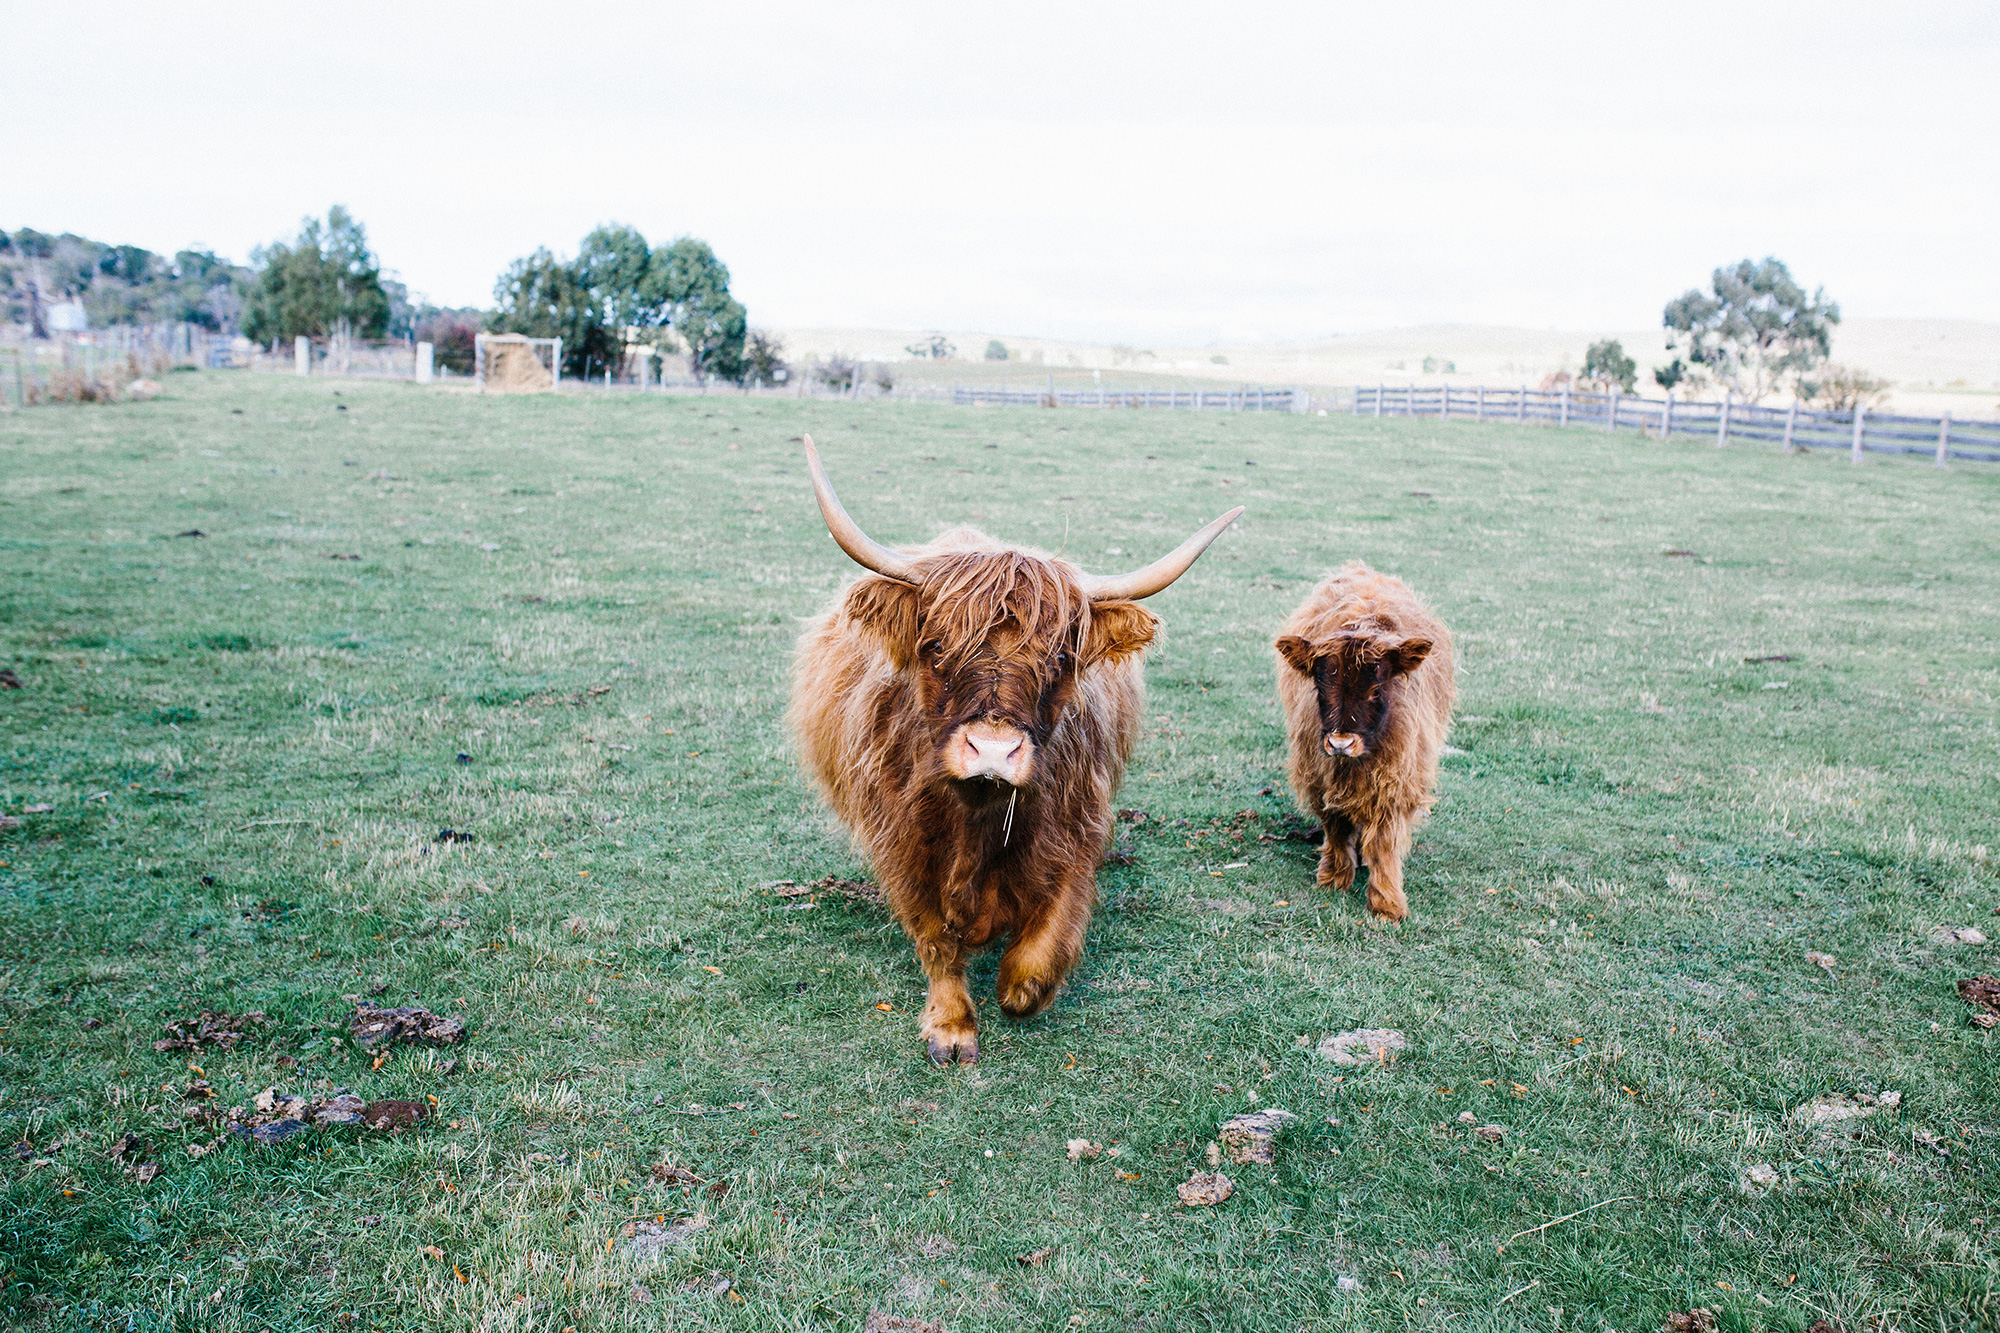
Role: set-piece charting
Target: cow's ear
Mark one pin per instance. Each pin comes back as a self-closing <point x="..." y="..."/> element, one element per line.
<point x="1407" y="656"/>
<point x="1118" y="629"/>
<point x="1297" y="652"/>
<point x="891" y="611"/>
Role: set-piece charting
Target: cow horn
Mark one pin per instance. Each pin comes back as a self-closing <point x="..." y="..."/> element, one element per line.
<point x="1156" y="576"/>
<point x="847" y="534"/>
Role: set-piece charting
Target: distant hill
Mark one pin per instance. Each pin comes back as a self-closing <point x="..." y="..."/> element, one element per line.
<point x="1935" y="364"/>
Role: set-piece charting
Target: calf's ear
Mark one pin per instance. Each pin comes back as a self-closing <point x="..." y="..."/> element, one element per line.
<point x="889" y="610"/>
<point x="1118" y="629"/>
<point x="1408" y="655"/>
<point x="1297" y="652"/>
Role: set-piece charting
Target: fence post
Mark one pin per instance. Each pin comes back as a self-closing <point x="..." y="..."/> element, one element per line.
<point x="1791" y="424"/>
<point x="1860" y="417"/>
<point x="302" y="355"/>
<point x="1722" y="419"/>
<point x="425" y="363"/>
<point x="1521" y="405"/>
<point x="1380" y="390"/>
<point x="1564" y="421"/>
<point x="1667" y="416"/>
<point x="1944" y="439"/>
<point x="1479" y="402"/>
<point x="1611" y="412"/>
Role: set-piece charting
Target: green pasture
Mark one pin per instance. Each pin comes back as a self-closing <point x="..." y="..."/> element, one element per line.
<point x="1719" y="710"/>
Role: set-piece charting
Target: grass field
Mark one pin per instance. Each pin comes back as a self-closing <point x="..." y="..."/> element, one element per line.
<point x="566" y="634"/>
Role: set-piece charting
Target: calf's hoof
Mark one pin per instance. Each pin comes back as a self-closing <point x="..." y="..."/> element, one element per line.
<point x="1387" y="907"/>
<point x="1024" y="997"/>
<point x="948" y="1043"/>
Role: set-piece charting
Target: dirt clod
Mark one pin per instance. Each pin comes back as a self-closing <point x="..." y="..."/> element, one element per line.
<point x="1759" y="1178"/>
<point x="1205" y="1189"/>
<point x="1701" y="1319"/>
<point x="878" y="1322"/>
<point x="8" y="680"/>
<point x="1252" y="1137"/>
<point x="669" y="1174"/>
<point x="1082" y="1150"/>
<point x="1491" y="1133"/>
<point x="854" y="890"/>
<point x="375" y="1027"/>
<point x="1832" y="1107"/>
<point x="208" y="1028"/>
<point x="391" y="1113"/>
<point x="1363" y="1046"/>
<point x="1824" y="961"/>
<point x="1036" y="1258"/>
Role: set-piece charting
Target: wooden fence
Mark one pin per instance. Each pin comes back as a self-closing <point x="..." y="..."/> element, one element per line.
<point x="1248" y="398"/>
<point x="1790" y="427"/>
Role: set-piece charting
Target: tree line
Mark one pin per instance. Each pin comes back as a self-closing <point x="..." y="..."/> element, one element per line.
<point x="617" y="298"/>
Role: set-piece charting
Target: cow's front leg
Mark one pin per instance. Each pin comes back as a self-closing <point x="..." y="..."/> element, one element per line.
<point x="1385" y="844"/>
<point x="1337" y="853"/>
<point x="1045" y="948"/>
<point x="950" y="1024"/>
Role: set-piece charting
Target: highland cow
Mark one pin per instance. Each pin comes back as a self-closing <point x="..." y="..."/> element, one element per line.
<point x="1365" y="677"/>
<point x="967" y="709"/>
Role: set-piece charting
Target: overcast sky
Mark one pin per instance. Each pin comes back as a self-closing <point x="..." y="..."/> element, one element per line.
<point x="1152" y="173"/>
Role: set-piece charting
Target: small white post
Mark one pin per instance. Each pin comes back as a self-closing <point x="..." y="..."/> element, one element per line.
<point x="1521" y="405"/>
<point x="1479" y="402"/>
<point x="426" y="362"/>
<point x="1944" y="439"/>
<point x="1667" y="416"/>
<point x="302" y="355"/>
<point x="1444" y="401"/>
<point x="1380" y="390"/>
<point x="1722" y="419"/>
<point x="1791" y="424"/>
<point x="1565" y="405"/>
<point x="1611" y="411"/>
<point x="1860" y="417"/>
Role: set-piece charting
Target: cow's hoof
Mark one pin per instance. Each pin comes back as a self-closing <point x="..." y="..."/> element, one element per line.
<point x="1389" y="909"/>
<point x="948" y="1045"/>
<point x="1336" y="877"/>
<point x="1024" y="997"/>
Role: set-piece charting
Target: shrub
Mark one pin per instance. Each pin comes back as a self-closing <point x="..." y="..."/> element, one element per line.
<point x="1843" y="389"/>
<point x="996" y="350"/>
<point x="764" y="359"/>
<point x="1605" y="364"/>
<point x="836" y="372"/>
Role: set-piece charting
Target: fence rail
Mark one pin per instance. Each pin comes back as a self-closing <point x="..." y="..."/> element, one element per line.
<point x="1248" y="398"/>
<point x="1791" y="427"/>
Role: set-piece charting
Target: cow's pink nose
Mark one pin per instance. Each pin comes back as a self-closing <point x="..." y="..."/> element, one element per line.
<point x="1344" y="742"/>
<point x="992" y="754"/>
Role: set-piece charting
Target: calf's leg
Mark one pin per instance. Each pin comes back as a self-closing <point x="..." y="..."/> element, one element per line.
<point x="1336" y="854"/>
<point x="1045" y="948"/>
<point x="1385" y="844"/>
<point x="950" y="1025"/>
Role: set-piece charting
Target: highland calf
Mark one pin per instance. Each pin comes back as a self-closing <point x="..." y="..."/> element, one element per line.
<point x="967" y="709"/>
<point x="1365" y="677"/>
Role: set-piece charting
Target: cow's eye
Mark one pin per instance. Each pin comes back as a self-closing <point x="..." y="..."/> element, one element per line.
<point x="934" y="650"/>
<point x="1062" y="662"/>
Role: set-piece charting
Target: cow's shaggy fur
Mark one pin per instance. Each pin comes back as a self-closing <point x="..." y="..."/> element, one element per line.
<point x="1365" y="677"/>
<point x="884" y="684"/>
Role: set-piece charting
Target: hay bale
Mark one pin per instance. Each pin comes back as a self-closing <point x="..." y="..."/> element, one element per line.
<point x="512" y="366"/>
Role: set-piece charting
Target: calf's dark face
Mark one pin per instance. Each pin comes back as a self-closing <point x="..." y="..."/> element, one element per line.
<point x="1354" y="677"/>
<point x="992" y="704"/>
